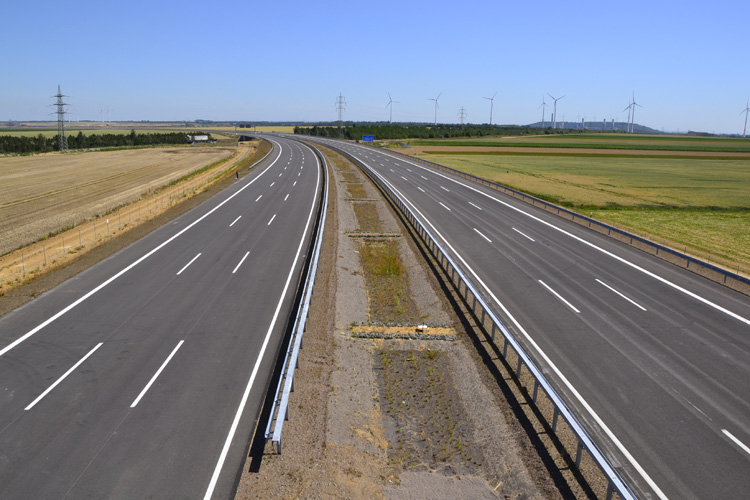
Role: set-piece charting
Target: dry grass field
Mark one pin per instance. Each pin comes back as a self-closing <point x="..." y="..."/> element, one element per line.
<point x="43" y="194"/>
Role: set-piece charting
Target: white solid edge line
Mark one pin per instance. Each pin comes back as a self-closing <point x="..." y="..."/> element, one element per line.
<point x="188" y="264"/>
<point x="49" y="389"/>
<point x="156" y="375"/>
<point x="246" y="395"/>
<point x="131" y="266"/>
<point x="234" y="221"/>
<point x="483" y="236"/>
<point x="736" y="441"/>
<point x="240" y="263"/>
<point x="595" y="247"/>
<point x="545" y="285"/>
<point x="544" y="356"/>
<point x="522" y="234"/>
<point x="622" y="295"/>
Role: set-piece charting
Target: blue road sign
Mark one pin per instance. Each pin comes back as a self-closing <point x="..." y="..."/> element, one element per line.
<point x="368" y="138"/>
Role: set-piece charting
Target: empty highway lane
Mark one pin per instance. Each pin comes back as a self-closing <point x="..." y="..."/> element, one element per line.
<point x="143" y="376"/>
<point x="653" y="359"/>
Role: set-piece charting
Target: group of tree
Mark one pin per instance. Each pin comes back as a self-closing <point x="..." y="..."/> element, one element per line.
<point x="421" y="131"/>
<point x="42" y="144"/>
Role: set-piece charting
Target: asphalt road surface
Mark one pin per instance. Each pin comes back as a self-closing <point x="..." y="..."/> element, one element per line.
<point x="143" y="377"/>
<point x="653" y="359"/>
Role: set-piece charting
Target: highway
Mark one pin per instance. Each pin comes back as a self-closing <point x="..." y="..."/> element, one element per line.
<point x="654" y="360"/>
<point x="144" y="376"/>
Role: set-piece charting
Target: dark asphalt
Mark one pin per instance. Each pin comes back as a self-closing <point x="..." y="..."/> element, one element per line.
<point x="654" y="360"/>
<point x="213" y="320"/>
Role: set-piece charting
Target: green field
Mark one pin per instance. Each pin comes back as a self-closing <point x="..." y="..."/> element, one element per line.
<point x="698" y="205"/>
<point x="605" y="141"/>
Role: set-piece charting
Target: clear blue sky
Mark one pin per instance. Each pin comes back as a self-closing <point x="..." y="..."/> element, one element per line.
<point x="687" y="62"/>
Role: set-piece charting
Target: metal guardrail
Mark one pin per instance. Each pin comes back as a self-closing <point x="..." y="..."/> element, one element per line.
<point x="723" y="274"/>
<point x="280" y="411"/>
<point x="474" y="299"/>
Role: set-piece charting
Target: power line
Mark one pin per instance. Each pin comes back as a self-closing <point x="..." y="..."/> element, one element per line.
<point x="340" y="107"/>
<point x="461" y="115"/>
<point x="62" y="140"/>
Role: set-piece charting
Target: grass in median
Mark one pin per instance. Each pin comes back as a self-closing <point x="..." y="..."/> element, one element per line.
<point x="699" y="204"/>
<point x="387" y="283"/>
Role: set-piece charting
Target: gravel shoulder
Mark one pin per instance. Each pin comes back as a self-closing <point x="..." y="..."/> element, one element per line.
<point x="385" y="419"/>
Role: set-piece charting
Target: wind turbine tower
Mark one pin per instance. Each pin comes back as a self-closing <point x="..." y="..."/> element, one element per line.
<point x="554" y="112"/>
<point x="390" y="104"/>
<point x="492" y="104"/>
<point x="629" y="108"/>
<point x="632" y="114"/>
<point x="436" y="104"/>
<point x="746" y="111"/>
<point x="542" y="105"/>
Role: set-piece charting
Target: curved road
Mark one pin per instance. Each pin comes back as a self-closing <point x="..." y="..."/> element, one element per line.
<point x="143" y="377"/>
<point x="654" y="360"/>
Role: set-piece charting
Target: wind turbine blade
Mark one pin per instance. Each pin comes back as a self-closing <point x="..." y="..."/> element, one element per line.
<point x="493" y="95"/>
<point x="438" y="97"/>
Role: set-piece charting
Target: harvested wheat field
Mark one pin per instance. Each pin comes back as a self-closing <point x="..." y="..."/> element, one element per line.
<point x="42" y="194"/>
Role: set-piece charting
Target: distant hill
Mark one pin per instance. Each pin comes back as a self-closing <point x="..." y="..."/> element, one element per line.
<point x="600" y="125"/>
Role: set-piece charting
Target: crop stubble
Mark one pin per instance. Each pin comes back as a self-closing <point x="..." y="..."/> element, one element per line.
<point x="43" y="193"/>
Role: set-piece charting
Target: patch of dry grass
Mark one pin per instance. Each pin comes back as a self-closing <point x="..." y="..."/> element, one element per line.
<point x="387" y="282"/>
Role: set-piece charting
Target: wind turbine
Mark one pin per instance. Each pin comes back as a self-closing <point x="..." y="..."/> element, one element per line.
<point x="436" y="104"/>
<point x="492" y="104"/>
<point x="542" y="105"/>
<point x="554" y="112"/>
<point x="627" y="123"/>
<point x="746" y="111"/>
<point x="632" y="113"/>
<point x="390" y="103"/>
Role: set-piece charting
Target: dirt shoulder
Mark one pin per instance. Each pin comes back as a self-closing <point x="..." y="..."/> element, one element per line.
<point x="377" y="416"/>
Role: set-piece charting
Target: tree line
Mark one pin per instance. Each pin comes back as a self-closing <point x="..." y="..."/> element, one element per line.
<point x="355" y="132"/>
<point x="42" y="144"/>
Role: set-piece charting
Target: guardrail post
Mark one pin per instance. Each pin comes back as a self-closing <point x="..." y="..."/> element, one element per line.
<point x="536" y="390"/>
<point x="579" y="451"/>
<point x="610" y="490"/>
<point x="520" y="365"/>
<point x="492" y="330"/>
<point x="554" y="419"/>
<point x="505" y="349"/>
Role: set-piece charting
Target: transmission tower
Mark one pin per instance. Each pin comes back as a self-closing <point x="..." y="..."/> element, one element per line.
<point x="340" y="107"/>
<point x="62" y="140"/>
<point x="461" y="115"/>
